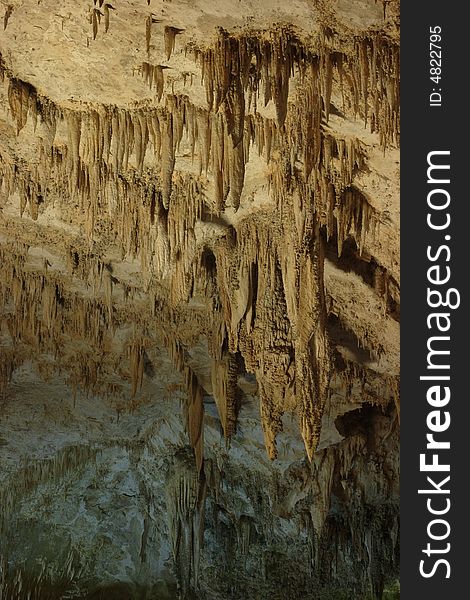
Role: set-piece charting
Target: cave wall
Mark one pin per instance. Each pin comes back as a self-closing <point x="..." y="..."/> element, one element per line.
<point x="199" y="282"/>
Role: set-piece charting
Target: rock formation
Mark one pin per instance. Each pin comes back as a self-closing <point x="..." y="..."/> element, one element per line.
<point x="199" y="291"/>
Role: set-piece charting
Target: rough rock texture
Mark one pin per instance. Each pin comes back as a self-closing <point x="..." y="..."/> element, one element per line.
<point x="199" y="296"/>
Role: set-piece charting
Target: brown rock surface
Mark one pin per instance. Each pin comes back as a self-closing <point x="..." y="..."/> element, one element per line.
<point x="199" y="291"/>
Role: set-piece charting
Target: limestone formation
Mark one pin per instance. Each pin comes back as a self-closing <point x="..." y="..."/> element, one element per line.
<point x="199" y="292"/>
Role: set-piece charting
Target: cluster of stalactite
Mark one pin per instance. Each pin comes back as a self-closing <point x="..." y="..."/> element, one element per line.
<point x="42" y="314"/>
<point x="346" y="500"/>
<point x="10" y="359"/>
<point x="186" y="494"/>
<point x="372" y="387"/>
<point x="96" y="13"/>
<point x="41" y="584"/>
<point x="69" y="460"/>
<point x="118" y="171"/>
<point x="153" y="75"/>
<point x="39" y="580"/>
<point x="263" y="65"/>
<point x="374" y="539"/>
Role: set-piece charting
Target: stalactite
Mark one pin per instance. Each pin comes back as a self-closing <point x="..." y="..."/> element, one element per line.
<point x="196" y="239"/>
<point x="137" y="353"/>
<point x="106" y="9"/>
<point x="327" y="81"/>
<point x="195" y="416"/>
<point x="170" y="34"/>
<point x="168" y="159"/>
<point x="312" y="353"/>
<point x="354" y="216"/>
<point x="20" y="96"/>
<point x="224" y="388"/>
<point x="74" y="133"/>
<point x="8" y="12"/>
<point x="186" y="493"/>
<point x="153" y="75"/>
<point x="69" y="460"/>
<point x="104" y="178"/>
<point x="148" y="32"/>
<point x="10" y="360"/>
<point x="95" y="19"/>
